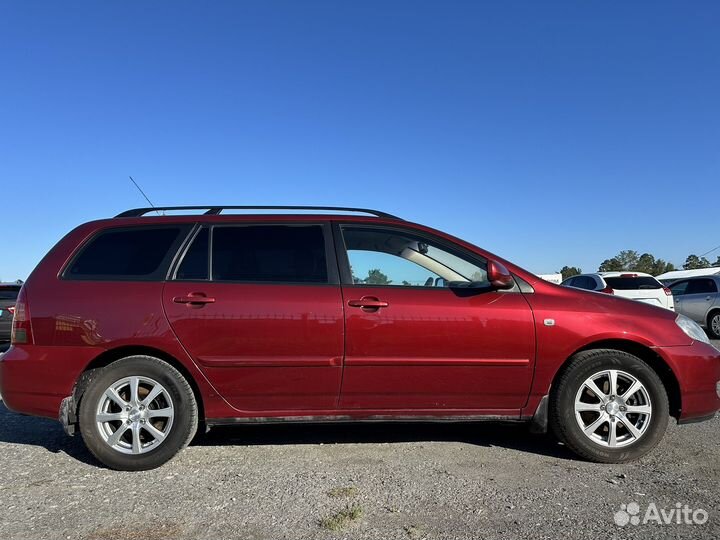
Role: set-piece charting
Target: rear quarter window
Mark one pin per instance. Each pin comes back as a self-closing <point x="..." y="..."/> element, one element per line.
<point x="137" y="253"/>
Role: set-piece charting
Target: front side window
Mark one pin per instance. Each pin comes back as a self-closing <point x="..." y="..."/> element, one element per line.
<point x="680" y="288"/>
<point x="389" y="257"/>
<point x="269" y="253"/>
<point x="138" y="253"/>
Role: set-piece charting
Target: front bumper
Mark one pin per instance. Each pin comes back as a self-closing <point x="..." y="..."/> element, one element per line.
<point x="697" y="369"/>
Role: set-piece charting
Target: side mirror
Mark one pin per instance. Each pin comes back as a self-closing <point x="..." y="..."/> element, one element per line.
<point x="499" y="276"/>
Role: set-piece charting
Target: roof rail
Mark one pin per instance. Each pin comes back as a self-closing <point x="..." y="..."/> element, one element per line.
<point x="215" y="210"/>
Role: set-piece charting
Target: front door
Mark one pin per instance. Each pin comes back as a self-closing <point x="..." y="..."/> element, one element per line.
<point x="264" y="318"/>
<point x="425" y="331"/>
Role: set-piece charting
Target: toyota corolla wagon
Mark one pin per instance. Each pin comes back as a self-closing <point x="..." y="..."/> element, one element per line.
<point x="137" y="329"/>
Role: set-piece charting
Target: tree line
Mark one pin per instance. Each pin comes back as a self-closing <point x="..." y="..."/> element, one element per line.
<point x="631" y="261"/>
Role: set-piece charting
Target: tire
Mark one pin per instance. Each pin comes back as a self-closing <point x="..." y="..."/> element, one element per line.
<point x="646" y="408"/>
<point x="713" y="325"/>
<point x="154" y="427"/>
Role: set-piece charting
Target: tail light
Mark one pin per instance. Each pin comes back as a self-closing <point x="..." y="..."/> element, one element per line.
<point x="21" y="327"/>
<point x="667" y="291"/>
<point x="11" y="310"/>
<point x="607" y="290"/>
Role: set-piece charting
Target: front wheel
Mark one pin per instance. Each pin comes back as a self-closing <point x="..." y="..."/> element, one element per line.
<point x="137" y="413"/>
<point x="609" y="406"/>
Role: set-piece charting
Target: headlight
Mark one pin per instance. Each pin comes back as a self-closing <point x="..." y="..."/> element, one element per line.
<point x="692" y="329"/>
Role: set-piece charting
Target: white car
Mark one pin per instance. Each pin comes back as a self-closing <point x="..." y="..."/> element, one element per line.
<point x="633" y="285"/>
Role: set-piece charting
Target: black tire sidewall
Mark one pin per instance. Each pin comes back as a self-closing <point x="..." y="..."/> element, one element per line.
<point x="564" y="404"/>
<point x="184" y="419"/>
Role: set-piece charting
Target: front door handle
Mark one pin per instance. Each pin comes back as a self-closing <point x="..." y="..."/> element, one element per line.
<point x="368" y="303"/>
<point x="197" y="299"/>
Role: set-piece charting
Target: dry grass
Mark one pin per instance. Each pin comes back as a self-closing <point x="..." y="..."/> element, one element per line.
<point x="341" y="519"/>
<point x="342" y="492"/>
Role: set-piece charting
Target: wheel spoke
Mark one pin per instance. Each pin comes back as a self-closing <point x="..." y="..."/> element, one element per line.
<point x="160" y="413"/>
<point x="612" y="434"/>
<point x="631" y="428"/>
<point x="115" y="437"/>
<point x="613" y="375"/>
<point x="112" y="395"/>
<point x="595" y="390"/>
<point x="152" y="430"/>
<point x="637" y="385"/>
<point x="584" y="407"/>
<point x="136" y="438"/>
<point x="109" y="417"/>
<point x="592" y="428"/>
<point x="154" y="393"/>
<point x="134" y="386"/>
<point x="639" y="409"/>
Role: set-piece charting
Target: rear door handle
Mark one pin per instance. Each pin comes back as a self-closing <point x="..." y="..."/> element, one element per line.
<point x="194" y="298"/>
<point x="368" y="303"/>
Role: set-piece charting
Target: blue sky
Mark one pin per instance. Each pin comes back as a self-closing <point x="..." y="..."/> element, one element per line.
<point x="551" y="133"/>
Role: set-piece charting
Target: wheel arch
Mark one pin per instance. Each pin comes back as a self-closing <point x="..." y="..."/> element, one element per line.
<point x="648" y="355"/>
<point x="108" y="357"/>
<point x="711" y="312"/>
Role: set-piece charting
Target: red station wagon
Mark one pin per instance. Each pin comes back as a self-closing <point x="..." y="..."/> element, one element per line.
<point x="136" y="329"/>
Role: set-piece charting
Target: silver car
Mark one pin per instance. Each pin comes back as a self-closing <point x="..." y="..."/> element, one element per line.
<point x="699" y="299"/>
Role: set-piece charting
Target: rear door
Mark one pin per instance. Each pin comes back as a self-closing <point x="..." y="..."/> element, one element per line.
<point x="423" y="328"/>
<point x="258" y="307"/>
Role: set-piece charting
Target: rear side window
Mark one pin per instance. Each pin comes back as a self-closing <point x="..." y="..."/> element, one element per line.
<point x="585" y="282"/>
<point x="701" y="286"/>
<point x="633" y="283"/>
<point x="269" y="253"/>
<point x="138" y="253"/>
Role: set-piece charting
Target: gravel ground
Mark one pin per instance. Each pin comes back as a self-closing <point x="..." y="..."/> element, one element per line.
<point x="365" y="481"/>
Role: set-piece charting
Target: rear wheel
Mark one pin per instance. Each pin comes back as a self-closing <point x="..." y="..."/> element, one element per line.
<point x="137" y="413"/>
<point x="714" y="324"/>
<point x="609" y="406"/>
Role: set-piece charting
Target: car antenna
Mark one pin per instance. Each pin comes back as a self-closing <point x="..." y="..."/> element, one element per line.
<point x="143" y="194"/>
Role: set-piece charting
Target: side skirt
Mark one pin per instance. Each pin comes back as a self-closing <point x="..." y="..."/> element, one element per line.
<point x="345" y="419"/>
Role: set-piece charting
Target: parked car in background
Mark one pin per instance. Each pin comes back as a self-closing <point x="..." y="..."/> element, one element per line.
<point x="632" y="285"/>
<point x="135" y="330"/>
<point x="699" y="299"/>
<point x="8" y="296"/>
<point x="676" y="275"/>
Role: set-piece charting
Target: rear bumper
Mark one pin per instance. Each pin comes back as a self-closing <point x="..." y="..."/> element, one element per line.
<point x="697" y="368"/>
<point x="35" y="379"/>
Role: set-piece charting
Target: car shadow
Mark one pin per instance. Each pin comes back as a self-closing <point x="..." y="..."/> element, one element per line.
<point x="34" y="431"/>
<point x="46" y="433"/>
<point x="486" y="434"/>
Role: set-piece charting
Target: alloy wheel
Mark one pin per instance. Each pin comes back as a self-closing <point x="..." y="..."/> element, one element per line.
<point x="613" y="408"/>
<point x="135" y="415"/>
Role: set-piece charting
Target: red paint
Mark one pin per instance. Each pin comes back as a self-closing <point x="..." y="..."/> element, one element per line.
<point x="331" y="350"/>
